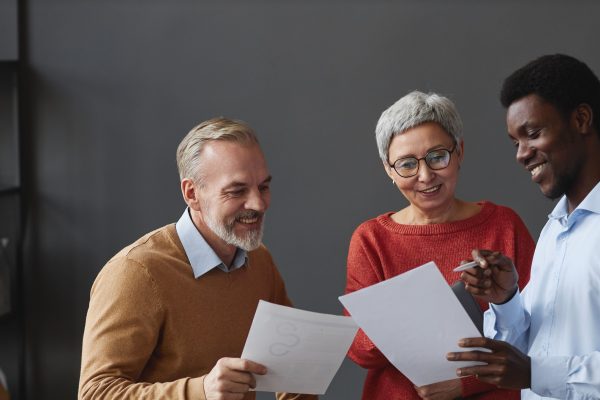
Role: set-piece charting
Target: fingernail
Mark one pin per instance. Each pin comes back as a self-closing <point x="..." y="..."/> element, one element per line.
<point x="459" y="372"/>
<point x="450" y="356"/>
<point x="462" y="342"/>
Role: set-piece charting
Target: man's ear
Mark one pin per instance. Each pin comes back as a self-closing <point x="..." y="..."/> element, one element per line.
<point x="189" y="190"/>
<point x="583" y="117"/>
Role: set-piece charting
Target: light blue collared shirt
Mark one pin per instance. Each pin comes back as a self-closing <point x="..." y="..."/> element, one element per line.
<point x="201" y="256"/>
<point x="556" y="320"/>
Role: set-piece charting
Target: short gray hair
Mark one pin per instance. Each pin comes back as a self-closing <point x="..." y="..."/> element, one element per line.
<point x="412" y="110"/>
<point x="220" y="128"/>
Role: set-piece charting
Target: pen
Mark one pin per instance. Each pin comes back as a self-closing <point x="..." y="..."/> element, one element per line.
<point x="466" y="266"/>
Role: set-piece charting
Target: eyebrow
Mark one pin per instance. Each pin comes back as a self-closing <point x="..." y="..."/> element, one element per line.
<point x="236" y="184"/>
<point x="437" y="147"/>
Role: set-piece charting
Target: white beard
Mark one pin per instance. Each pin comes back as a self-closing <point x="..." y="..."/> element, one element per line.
<point x="225" y="231"/>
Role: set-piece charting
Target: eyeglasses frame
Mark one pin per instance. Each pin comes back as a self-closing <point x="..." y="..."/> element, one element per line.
<point x="392" y="166"/>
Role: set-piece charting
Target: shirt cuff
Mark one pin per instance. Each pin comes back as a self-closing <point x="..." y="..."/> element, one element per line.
<point x="507" y="314"/>
<point x="549" y="376"/>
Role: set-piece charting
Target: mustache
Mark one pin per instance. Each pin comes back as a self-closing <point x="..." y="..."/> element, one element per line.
<point x="249" y="214"/>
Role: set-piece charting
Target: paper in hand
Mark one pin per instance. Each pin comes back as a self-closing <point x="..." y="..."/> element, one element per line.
<point x="415" y="320"/>
<point x="302" y="350"/>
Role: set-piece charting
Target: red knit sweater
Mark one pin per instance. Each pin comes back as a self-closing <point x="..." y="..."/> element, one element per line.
<point x="381" y="248"/>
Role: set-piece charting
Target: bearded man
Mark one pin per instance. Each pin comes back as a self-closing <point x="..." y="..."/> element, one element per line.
<point x="169" y="314"/>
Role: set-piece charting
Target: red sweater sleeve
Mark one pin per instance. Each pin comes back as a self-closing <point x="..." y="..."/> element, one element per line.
<point x="362" y="271"/>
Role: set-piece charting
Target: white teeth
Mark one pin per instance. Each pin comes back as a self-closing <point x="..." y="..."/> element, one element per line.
<point x="248" y="220"/>
<point x="430" y="190"/>
<point x="537" y="169"/>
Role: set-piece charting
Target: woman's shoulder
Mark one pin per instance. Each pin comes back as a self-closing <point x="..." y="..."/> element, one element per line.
<point x="499" y="211"/>
<point x="503" y="216"/>
<point x="374" y="224"/>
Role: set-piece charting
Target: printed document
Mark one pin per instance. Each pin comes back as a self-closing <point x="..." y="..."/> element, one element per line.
<point x="415" y="320"/>
<point x="302" y="350"/>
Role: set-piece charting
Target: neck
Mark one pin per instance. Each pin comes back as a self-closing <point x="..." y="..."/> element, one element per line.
<point x="224" y="250"/>
<point x="414" y="216"/>
<point x="588" y="176"/>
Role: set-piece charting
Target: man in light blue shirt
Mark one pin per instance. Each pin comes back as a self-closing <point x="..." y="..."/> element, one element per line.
<point x="546" y="340"/>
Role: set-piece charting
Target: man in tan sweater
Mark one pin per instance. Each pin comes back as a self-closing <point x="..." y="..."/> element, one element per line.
<point x="169" y="314"/>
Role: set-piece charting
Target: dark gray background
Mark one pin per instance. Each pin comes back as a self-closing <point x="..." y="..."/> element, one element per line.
<point x="111" y="87"/>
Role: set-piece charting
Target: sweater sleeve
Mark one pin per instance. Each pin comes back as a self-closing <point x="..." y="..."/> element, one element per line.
<point x="362" y="271"/>
<point x="122" y="328"/>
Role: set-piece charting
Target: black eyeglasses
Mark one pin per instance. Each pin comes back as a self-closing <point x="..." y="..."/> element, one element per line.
<point x="436" y="159"/>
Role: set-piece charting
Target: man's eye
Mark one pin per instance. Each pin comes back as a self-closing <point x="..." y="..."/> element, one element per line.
<point x="534" y="133"/>
<point x="264" y="188"/>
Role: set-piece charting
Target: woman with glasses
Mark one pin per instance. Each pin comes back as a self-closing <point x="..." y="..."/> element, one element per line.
<point x="420" y="144"/>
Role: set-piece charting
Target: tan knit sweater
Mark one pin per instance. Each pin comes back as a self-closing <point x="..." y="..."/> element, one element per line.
<point x="153" y="331"/>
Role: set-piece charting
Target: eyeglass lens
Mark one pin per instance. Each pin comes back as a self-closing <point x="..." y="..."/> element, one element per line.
<point x="435" y="159"/>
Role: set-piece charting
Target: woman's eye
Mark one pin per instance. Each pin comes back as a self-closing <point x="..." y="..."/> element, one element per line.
<point x="407" y="164"/>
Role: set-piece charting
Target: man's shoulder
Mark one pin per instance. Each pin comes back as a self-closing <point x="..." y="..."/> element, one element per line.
<point x="157" y="244"/>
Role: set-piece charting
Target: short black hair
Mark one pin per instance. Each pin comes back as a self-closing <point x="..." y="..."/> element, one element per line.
<point x="561" y="80"/>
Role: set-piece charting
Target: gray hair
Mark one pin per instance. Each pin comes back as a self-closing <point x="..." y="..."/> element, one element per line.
<point x="220" y="128"/>
<point x="414" y="109"/>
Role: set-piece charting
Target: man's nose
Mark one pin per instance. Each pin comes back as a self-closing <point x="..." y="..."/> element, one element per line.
<point x="256" y="201"/>
<point x="524" y="152"/>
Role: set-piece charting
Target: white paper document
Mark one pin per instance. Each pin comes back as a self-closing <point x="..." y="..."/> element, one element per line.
<point x="302" y="350"/>
<point x="415" y="320"/>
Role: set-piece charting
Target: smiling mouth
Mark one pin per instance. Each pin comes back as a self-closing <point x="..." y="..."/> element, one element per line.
<point x="248" y="221"/>
<point x="432" y="189"/>
<point x="537" y="170"/>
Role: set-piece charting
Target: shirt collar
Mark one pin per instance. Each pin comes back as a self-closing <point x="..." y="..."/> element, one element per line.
<point x="201" y="256"/>
<point x="591" y="203"/>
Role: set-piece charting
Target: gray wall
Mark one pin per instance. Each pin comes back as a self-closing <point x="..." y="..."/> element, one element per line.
<point x="112" y="86"/>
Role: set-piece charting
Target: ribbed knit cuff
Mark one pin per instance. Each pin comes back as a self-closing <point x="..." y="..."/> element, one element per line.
<point x="195" y="389"/>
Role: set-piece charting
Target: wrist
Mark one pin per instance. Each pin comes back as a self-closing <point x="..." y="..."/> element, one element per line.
<point x="510" y="296"/>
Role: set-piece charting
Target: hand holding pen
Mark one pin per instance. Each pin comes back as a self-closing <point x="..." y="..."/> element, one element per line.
<point x="491" y="276"/>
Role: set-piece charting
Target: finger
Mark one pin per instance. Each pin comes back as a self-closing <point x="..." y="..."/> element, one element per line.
<point x="475" y="355"/>
<point x="240" y="364"/>
<point x="482" y="341"/>
<point x="482" y="371"/>
<point x="238" y="377"/>
<point x="479" y="278"/>
<point x="480" y="256"/>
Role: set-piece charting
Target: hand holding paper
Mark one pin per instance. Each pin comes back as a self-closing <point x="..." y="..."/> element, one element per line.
<point x="414" y="331"/>
<point x="302" y="350"/>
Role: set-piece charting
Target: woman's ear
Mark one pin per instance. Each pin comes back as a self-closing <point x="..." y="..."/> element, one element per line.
<point x="461" y="151"/>
<point x="389" y="170"/>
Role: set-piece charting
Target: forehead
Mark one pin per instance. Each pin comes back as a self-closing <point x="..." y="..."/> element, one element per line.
<point x="224" y="162"/>
<point x="530" y="110"/>
<point x="419" y="139"/>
